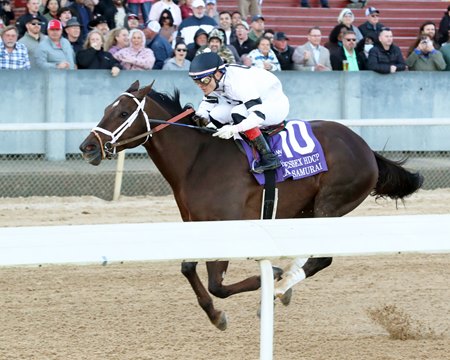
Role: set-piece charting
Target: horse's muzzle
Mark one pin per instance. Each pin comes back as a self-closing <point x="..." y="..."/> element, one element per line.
<point x="91" y="152"/>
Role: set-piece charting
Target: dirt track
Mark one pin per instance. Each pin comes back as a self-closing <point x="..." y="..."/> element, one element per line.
<point x="148" y="311"/>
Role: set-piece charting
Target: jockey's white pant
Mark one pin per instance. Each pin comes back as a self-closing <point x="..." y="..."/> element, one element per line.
<point x="276" y="110"/>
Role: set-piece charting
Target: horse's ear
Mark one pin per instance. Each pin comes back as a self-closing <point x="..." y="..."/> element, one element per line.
<point x="134" y="87"/>
<point x="145" y="90"/>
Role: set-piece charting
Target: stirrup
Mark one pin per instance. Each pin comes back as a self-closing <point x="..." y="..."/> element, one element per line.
<point x="259" y="168"/>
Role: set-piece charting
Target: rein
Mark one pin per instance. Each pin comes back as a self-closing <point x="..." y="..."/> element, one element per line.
<point x="109" y="148"/>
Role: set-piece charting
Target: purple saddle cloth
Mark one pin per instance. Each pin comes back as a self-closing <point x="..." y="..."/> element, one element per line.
<point x="300" y="153"/>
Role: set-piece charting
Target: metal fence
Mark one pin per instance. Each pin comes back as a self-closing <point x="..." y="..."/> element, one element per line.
<point x="23" y="175"/>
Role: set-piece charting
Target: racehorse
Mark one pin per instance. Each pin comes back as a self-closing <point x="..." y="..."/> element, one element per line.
<point x="210" y="177"/>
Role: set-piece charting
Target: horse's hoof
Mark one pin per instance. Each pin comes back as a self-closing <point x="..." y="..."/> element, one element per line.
<point x="277" y="272"/>
<point x="286" y="297"/>
<point x="222" y="322"/>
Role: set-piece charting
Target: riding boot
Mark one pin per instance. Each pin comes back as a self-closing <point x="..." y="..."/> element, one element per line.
<point x="267" y="159"/>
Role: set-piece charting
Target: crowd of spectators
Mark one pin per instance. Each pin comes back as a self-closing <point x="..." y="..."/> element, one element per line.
<point x="109" y="34"/>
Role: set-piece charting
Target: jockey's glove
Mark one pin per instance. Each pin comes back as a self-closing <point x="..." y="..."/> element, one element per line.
<point x="226" y="132"/>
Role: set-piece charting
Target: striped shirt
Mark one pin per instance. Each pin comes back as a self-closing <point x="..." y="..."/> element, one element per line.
<point x="17" y="59"/>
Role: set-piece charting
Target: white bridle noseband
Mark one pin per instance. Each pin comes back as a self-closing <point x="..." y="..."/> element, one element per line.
<point x="116" y="134"/>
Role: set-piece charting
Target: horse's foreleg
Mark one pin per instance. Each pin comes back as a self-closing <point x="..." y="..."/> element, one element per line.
<point x="217" y="317"/>
<point x="299" y="270"/>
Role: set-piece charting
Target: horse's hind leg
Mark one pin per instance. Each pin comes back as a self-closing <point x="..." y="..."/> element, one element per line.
<point x="216" y="273"/>
<point x="217" y="317"/>
<point x="299" y="270"/>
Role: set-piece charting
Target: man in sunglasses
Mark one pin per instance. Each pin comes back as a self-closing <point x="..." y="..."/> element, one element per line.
<point x="240" y="100"/>
<point x="32" y="37"/>
<point x="346" y="58"/>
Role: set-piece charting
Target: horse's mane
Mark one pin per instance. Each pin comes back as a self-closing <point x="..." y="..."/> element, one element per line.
<point x="170" y="102"/>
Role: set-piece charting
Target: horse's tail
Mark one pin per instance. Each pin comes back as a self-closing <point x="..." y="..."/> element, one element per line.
<point x="395" y="181"/>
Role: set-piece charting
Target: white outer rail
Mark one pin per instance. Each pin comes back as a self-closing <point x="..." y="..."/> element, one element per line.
<point x="271" y="239"/>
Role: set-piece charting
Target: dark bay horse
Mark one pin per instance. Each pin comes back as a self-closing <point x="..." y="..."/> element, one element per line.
<point x="210" y="178"/>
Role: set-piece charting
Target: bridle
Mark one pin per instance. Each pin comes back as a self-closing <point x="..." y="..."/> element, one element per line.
<point x="109" y="148"/>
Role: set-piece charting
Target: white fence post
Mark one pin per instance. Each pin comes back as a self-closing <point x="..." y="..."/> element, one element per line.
<point x="266" y="335"/>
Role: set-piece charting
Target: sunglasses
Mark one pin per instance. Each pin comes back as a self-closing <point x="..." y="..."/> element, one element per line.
<point x="35" y="23"/>
<point x="374" y="15"/>
<point x="205" y="80"/>
<point x="350" y="39"/>
<point x="181" y="50"/>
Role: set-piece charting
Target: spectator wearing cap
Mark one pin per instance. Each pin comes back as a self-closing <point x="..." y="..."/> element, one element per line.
<point x="144" y="5"/>
<point x="118" y="39"/>
<point x="72" y="32"/>
<point x="132" y="22"/>
<point x="32" y="37"/>
<point x="347" y="18"/>
<point x="225" y="24"/>
<point x="243" y="43"/>
<point x="444" y="27"/>
<point x="256" y="28"/>
<point x="93" y="57"/>
<point x="283" y="51"/>
<point x="249" y="8"/>
<point x="186" y="9"/>
<point x="136" y="56"/>
<point x="99" y="23"/>
<point x="159" y="45"/>
<point x="178" y="61"/>
<point x="211" y="10"/>
<point x="83" y="14"/>
<point x="305" y="3"/>
<point x="114" y="11"/>
<point x="190" y="25"/>
<point x="55" y="52"/>
<point x="372" y="26"/>
<point x="64" y="15"/>
<point x="263" y="57"/>
<point x="168" y="29"/>
<point x="312" y="56"/>
<point x="33" y="10"/>
<point x="386" y="57"/>
<point x="200" y="39"/>
<point x="13" y="55"/>
<point x="6" y="12"/>
<point x="159" y="6"/>
<point x="216" y="43"/>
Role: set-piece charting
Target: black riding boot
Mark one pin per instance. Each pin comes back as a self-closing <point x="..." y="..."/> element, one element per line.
<point x="268" y="160"/>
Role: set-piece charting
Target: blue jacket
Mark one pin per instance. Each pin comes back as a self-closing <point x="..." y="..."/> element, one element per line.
<point x="162" y="50"/>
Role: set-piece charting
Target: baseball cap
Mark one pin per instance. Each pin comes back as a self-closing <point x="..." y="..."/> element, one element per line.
<point x="29" y="18"/>
<point x="242" y="23"/>
<point x="133" y="16"/>
<point x="54" y="25"/>
<point x="280" y="36"/>
<point x="371" y="10"/>
<point x="198" y="3"/>
<point x="154" y="26"/>
<point x="257" y="17"/>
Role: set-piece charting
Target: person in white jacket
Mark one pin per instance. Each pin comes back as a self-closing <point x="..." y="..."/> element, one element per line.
<point x="240" y="99"/>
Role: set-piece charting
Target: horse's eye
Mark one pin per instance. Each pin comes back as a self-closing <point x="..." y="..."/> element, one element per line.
<point x="124" y="114"/>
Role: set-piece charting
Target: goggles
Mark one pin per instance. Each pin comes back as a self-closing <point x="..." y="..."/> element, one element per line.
<point x="204" y="80"/>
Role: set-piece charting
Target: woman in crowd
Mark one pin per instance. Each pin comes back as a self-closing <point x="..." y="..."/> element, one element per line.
<point x="167" y="27"/>
<point x="51" y="9"/>
<point x="346" y="17"/>
<point x="263" y="56"/>
<point x="92" y="56"/>
<point x="362" y="51"/>
<point x="136" y="56"/>
<point x="178" y="61"/>
<point x="117" y="39"/>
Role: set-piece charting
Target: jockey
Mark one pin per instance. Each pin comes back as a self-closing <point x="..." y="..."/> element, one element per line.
<point x="240" y="99"/>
